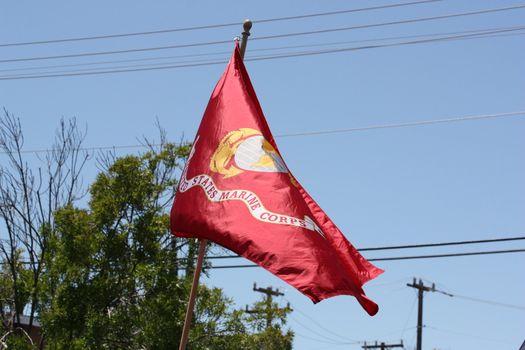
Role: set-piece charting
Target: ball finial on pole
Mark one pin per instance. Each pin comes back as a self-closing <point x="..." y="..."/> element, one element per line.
<point x="247" y="25"/>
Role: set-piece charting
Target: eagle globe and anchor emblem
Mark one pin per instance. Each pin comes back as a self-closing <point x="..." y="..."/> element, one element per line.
<point x="243" y="150"/>
<point x="246" y="149"/>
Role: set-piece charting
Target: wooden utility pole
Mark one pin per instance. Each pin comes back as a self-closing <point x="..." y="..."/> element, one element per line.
<point x="270" y="293"/>
<point x="382" y="346"/>
<point x="421" y="288"/>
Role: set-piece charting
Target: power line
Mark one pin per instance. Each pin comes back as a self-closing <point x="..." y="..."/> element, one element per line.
<point x="402" y="43"/>
<point x="216" y="53"/>
<point x="410" y="246"/>
<point x="402" y="257"/>
<point x="404" y="125"/>
<point x="101" y="53"/>
<point x="483" y="301"/>
<point x="490" y="302"/>
<point x="480" y="35"/>
<point x="405" y="328"/>
<point x="467" y="335"/>
<point x="280" y="56"/>
<point x="432" y="256"/>
<point x="312" y="133"/>
<point x="375" y="285"/>
<point x="442" y="244"/>
<point x="73" y="74"/>
<point x="320" y="334"/>
<point x="214" y="26"/>
<point x="477" y="31"/>
<point x="383" y="24"/>
<point x="285" y="35"/>
<point x="472" y="34"/>
<point x="330" y="13"/>
<point x="333" y="342"/>
<point x="319" y="325"/>
<point x="96" y="70"/>
<point x="90" y="149"/>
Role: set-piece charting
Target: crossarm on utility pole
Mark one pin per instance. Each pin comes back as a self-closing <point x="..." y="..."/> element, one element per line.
<point x="382" y="346"/>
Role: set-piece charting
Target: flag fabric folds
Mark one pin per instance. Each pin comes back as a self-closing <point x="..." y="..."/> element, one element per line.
<point x="237" y="191"/>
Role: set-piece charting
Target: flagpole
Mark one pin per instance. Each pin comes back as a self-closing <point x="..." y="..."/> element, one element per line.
<point x="247" y="25"/>
<point x="193" y="294"/>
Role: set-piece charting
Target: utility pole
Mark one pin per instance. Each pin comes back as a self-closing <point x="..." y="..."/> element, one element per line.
<point x="421" y="288"/>
<point x="270" y="293"/>
<point x="382" y="346"/>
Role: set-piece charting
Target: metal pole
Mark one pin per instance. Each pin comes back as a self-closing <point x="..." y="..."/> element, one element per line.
<point x="247" y="25"/>
<point x="193" y="295"/>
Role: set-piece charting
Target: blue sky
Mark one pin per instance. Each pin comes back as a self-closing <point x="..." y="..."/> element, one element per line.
<point x="435" y="183"/>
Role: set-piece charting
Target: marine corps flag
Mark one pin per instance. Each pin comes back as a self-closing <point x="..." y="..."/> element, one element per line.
<point x="237" y="191"/>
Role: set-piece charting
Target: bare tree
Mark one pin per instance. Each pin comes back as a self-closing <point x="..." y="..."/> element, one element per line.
<point x="29" y="195"/>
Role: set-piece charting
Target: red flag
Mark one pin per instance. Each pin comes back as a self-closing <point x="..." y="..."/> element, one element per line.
<point x="237" y="191"/>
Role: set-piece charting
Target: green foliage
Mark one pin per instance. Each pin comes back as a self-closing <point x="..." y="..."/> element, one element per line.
<point x="17" y="340"/>
<point x="115" y="277"/>
<point x="112" y="268"/>
<point x="22" y="283"/>
<point x="267" y="320"/>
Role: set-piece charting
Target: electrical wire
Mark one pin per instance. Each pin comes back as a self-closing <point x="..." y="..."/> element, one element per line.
<point x="490" y="302"/>
<point x="336" y="343"/>
<point x="134" y="66"/>
<point x="399" y="281"/>
<point x="466" y="334"/>
<point x="402" y="257"/>
<point x="404" y="125"/>
<point x="483" y="301"/>
<point x="73" y="74"/>
<point x="410" y="246"/>
<point x="383" y="24"/>
<point x="476" y="31"/>
<point x="443" y="244"/>
<point x="346" y="339"/>
<point x="405" y="327"/>
<point x="216" y="53"/>
<point x="331" y="347"/>
<point x="432" y="256"/>
<point x="319" y="334"/>
<point x="114" y="52"/>
<point x="346" y="130"/>
<point x="472" y="34"/>
<point x="263" y="58"/>
<point x="215" y="26"/>
<point x="285" y="35"/>
<point x="402" y="43"/>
